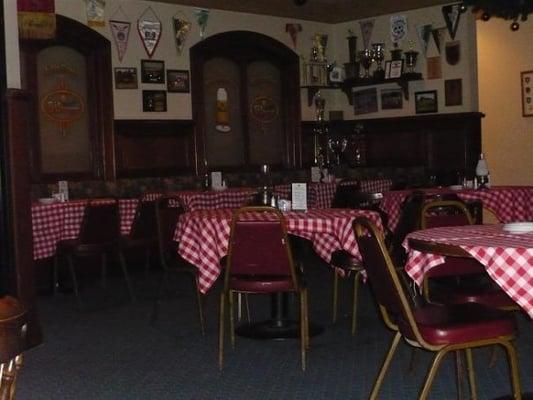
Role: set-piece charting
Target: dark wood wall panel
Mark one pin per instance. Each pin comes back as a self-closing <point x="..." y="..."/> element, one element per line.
<point x="154" y="147"/>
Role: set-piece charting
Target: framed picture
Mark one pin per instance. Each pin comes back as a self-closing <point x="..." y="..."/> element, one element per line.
<point x="434" y="67"/>
<point x="154" y="101"/>
<point x="126" y="78"/>
<point x="426" y="102"/>
<point x="393" y="69"/>
<point x="365" y="101"/>
<point x="527" y="93"/>
<point x="152" y="71"/>
<point x="453" y="92"/>
<point x="178" y="81"/>
<point x="391" y="99"/>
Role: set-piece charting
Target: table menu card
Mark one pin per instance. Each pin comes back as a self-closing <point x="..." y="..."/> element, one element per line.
<point x="216" y="179"/>
<point x="299" y="196"/>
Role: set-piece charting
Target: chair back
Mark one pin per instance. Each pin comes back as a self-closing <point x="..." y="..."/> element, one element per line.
<point x="168" y="211"/>
<point x="445" y="213"/>
<point x="349" y="196"/>
<point x="390" y="294"/>
<point x="259" y="245"/>
<point x="100" y="223"/>
<point x="144" y="225"/>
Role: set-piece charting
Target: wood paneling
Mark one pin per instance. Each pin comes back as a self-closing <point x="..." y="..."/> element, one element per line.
<point x="154" y="147"/>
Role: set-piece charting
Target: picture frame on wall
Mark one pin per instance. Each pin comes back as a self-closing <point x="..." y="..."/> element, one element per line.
<point x="365" y="101"/>
<point x="526" y="78"/>
<point x="453" y="92"/>
<point x="154" y="101"/>
<point x="393" y="69"/>
<point x="426" y="102"/>
<point x="126" y="78"/>
<point x="391" y="99"/>
<point x="178" y="81"/>
<point x="152" y="71"/>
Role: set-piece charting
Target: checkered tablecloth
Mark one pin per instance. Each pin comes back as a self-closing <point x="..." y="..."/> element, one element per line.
<point x="508" y="257"/>
<point x="320" y="194"/>
<point x="57" y="221"/>
<point x="193" y="200"/>
<point x="508" y="203"/>
<point x="375" y="185"/>
<point x="204" y="235"/>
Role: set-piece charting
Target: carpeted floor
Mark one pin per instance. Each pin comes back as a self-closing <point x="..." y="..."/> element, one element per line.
<point x="110" y="351"/>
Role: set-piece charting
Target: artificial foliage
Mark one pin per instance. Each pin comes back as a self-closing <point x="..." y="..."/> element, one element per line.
<point x="507" y="9"/>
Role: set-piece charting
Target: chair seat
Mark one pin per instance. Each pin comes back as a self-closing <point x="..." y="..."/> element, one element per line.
<point x="74" y="246"/>
<point x="344" y="260"/>
<point x="454" y="266"/>
<point x="261" y="284"/>
<point x="462" y="323"/>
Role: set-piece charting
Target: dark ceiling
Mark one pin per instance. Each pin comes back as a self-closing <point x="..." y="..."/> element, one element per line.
<point x="330" y="11"/>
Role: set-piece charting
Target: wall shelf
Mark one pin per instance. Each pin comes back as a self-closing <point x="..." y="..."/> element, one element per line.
<point x="348" y="84"/>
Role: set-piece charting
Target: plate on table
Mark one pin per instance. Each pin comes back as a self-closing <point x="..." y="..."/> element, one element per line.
<point x="456" y="187"/>
<point x="518" y="227"/>
<point x="47" y="200"/>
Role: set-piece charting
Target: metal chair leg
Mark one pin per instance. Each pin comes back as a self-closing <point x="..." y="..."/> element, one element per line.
<point x="431" y="374"/>
<point x="122" y="262"/>
<point x="471" y="374"/>
<point x="385" y="366"/>
<point x="199" y="303"/>
<point x="231" y="318"/>
<point x="70" y="263"/>
<point x="56" y="275"/>
<point x="303" y="333"/>
<point x="221" y="332"/>
<point x="513" y="364"/>
<point x="459" y="374"/>
<point x="335" y="296"/>
<point x="356" y="280"/>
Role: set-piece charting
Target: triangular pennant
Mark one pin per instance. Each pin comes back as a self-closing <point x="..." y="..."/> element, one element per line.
<point x="367" y="27"/>
<point x="398" y="28"/>
<point x="452" y="13"/>
<point x="182" y="26"/>
<point x="438" y="37"/>
<point x="149" y="27"/>
<point x="121" y="32"/>
<point x="202" y="16"/>
<point x="424" y="33"/>
<point x="293" y="30"/>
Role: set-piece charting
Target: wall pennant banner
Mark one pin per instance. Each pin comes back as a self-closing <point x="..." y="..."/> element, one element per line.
<point x="36" y="19"/>
<point x="121" y="33"/>
<point x="202" y="16"/>
<point x="424" y="33"/>
<point x="149" y="27"/>
<point x="95" y="13"/>
<point x="453" y="52"/>
<point x="182" y="26"/>
<point x="451" y="14"/>
<point x="438" y="36"/>
<point x="293" y="30"/>
<point x="366" y="29"/>
<point x="398" y="28"/>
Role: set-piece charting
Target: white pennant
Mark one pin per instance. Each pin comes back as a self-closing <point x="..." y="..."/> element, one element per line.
<point x="121" y="32"/>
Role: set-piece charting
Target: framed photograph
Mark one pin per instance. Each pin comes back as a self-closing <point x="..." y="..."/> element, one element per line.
<point x="393" y="69"/>
<point x="365" y="101"/>
<point x="426" y="102"/>
<point x="453" y="92"/>
<point x="152" y="71"/>
<point x="527" y="93"/>
<point x="154" y="101"/>
<point x="178" y="81"/>
<point x="126" y="78"/>
<point x="391" y="99"/>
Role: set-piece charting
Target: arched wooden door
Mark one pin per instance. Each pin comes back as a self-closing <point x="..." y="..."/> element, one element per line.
<point x="246" y="102"/>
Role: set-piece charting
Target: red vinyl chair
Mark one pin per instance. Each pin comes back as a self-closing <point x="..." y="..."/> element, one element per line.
<point x="466" y="279"/>
<point x="436" y="328"/>
<point x="260" y="261"/>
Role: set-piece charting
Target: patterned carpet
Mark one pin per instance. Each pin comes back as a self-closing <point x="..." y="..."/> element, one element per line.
<point x="110" y="351"/>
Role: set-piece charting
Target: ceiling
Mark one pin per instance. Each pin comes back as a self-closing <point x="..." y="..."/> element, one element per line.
<point x="330" y="11"/>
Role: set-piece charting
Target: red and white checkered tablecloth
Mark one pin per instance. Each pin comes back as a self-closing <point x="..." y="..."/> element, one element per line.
<point x="508" y="257"/>
<point x="57" y="221"/>
<point x="508" y="203"/>
<point x="204" y="235"/>
<point x="193" y="200"/>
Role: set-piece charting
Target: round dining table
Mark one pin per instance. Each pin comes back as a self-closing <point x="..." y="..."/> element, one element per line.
<point x="506" y="253"/>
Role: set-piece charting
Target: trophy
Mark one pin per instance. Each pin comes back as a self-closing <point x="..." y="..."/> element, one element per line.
<point x="318" y="53"/>
<point x="410" y="60"/>
<point x="337" y="147"/>
<point x="365" y="58"/>
<point x="378" y="54"/>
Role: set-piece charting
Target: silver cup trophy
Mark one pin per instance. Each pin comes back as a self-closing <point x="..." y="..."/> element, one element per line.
<point x="411" y="57"/>
<point x="337" y="147"/>
<point x="366" y="59"/>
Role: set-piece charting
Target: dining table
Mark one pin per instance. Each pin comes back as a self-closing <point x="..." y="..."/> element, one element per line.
<point x="508" y="203"/>
<point x="203" y="237"/>
<point x="503" y="249"/>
